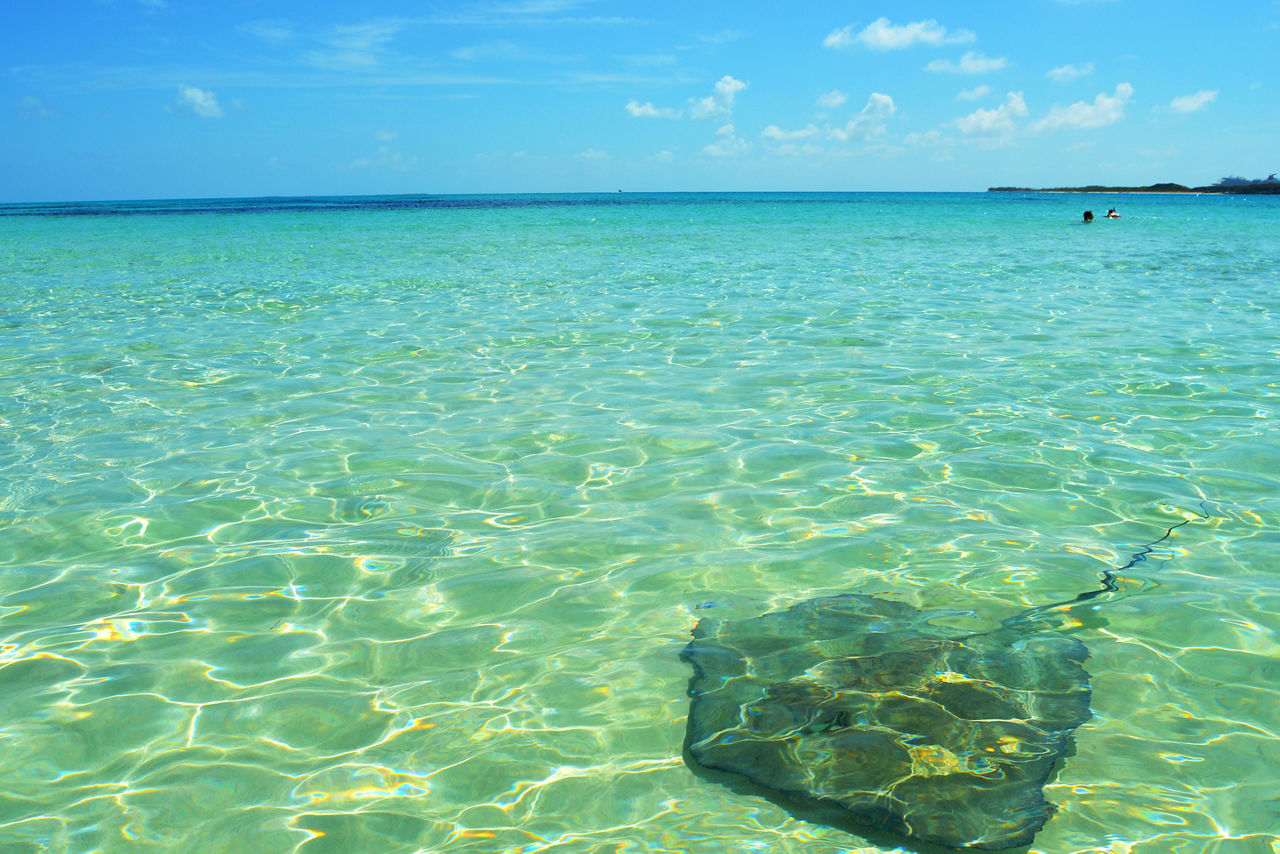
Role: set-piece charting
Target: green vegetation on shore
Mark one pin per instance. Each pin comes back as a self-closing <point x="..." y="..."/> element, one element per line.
<point x="1233" y="185"/>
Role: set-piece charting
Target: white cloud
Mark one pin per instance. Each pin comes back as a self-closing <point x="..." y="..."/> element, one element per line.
<point x="870" y="122"/>
<point x="716" y="105"/>
<point x="777" y="134"/>
<point x="648" y="111"/>
<point x="993" y="127"/>
<point x="1191" y="103"/>
<point x="975" y="93"/>
<point x="385" y="135"/>
<point x="841" y="37"/>
<point x="838" y="38"/>
<point x="591" y="154"/>
<point x="882" y="34"/>
<point x="1105" y="110"/>
<point x="831" y="100"/>
<point x="664" y="156"/>
<point x="201" y="102"/>
<point x="971" y="63"/>
<point x="720" y="102"/>
<point x="727" y="143"/>
<point x="1067" y="73"/>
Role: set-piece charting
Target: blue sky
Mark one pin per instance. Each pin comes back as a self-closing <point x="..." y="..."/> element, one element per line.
<point x="117" y="99"/>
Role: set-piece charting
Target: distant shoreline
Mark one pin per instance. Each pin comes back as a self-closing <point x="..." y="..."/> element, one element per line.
<point x="1264" y="189"/>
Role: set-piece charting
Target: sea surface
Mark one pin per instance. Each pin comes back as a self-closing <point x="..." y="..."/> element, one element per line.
<point x="379" y="524"/>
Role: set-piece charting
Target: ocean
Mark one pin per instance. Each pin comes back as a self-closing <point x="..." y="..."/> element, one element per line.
<point x="380" y="524"/>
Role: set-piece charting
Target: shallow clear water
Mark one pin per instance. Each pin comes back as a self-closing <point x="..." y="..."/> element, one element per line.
<point x="378" y="525"/>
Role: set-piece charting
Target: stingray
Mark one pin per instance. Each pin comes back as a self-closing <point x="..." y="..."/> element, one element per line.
<point x="880" y="714"/>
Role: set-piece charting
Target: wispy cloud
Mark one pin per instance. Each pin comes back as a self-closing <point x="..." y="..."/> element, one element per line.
<point x="777" y="134"/>
<point x="727" y="144"/>
<point x="273" y="31"/>
<point x="537" y="13"/>
<point x="592" y="155"/>
<point x="722" y="37"/>
<point x="386" y="158"/>
<point x="867" y="124"/>
<point x="791" y="149"/>
<point x="927" y="138"/>
<point x="650" y="60"/>
<point x="538" y="7"/>
<point x="883" y="34"/>
<point x="971" y="63"/>
<point x="719" y="102"/>
<point x="1191" y="103"/>
<point x="1067" y="73"/>
<point x="975" y="93"/>
<point x="1105" y="110"/>
<point x="507" y="51"/>
<point x="200" y="102"/>
<point x="31" y="107"/>
<point x="831" y="100"/>
<point x="648" y="111"/>
<point x="355" y="46"/>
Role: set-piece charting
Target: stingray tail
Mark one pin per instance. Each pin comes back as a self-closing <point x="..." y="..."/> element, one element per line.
<point x="1109" y="576"/>
<point x="1047" y="616"/>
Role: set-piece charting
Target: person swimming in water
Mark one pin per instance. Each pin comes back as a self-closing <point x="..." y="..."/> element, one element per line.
<point x="1088" y="216"/>
<point x="1111" y="214"/>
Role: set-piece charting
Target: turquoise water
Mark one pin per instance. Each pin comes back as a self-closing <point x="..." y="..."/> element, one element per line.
<point x="379" y="525"/>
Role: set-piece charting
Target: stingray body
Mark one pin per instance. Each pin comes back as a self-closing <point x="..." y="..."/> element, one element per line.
<point x="881" y="710"/>
<point x="926" y="732"/>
